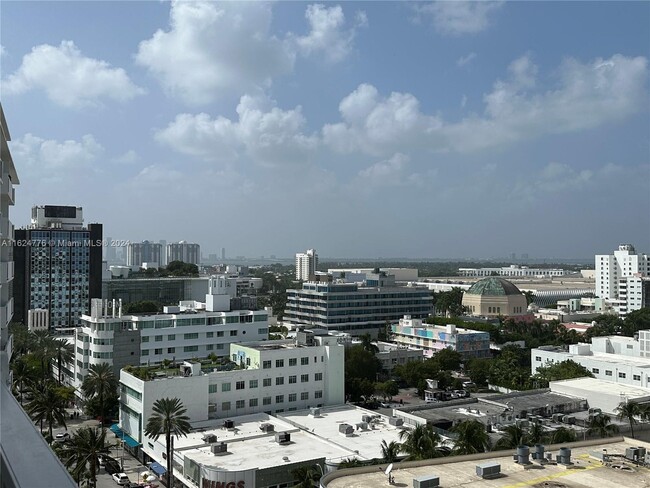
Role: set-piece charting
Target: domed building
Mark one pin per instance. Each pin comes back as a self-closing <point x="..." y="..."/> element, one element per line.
<point x="494" y="296"/>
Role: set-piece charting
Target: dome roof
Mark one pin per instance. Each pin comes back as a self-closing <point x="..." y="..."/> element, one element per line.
<point x="493" y="286"/>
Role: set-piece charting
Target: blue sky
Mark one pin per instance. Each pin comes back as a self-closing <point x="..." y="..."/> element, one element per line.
<point x="367" y="129"/>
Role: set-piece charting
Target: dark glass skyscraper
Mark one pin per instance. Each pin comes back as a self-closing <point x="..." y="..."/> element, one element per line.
<point x="58" y="265"/>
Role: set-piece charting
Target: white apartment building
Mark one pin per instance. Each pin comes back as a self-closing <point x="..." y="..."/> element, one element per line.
<point x="186" y="252"/>
<point x="306" y="263"/>
<point x="617" y="359"/>
<point x="513" y="270"/>
<point x="400" y="274"/>
<point x="184" y="333"/>
<point x="272" y="377"/>
<point x="619" y="279"/>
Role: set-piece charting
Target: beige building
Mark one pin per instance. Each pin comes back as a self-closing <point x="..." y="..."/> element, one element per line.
<point x="493" y="297"/>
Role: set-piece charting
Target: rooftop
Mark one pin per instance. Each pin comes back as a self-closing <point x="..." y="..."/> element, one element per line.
<point x="460" y="471"/>
<point x="493" y="286"/>
<point x="615" y="359"/>
<point x="595" y="385"/>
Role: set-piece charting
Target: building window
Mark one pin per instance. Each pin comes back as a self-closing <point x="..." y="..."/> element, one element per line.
<point x="621" y="375"/>
<point x="240" y="403"/>
<point x="595" y="370"/>
<point x="293" y="361"/>
<point x="209" y="335"/>
<point x="293" y="379"/>
<point x="220" y="333"/>
<point x="266" y="401"/>
<point x="266" y="382"/>
<point x="171" y="337"/>
<point x="144" y="339"/>
<point x="159" y="338"/>
<point x="279" y="398"/>
<point x="252" y="384"/>
<point x="262" y="331"/>
<point x="318" y="377"/>
<point x="304" y="378"/>
<point x="190" y="348"/>
<point x="279" y="363"/>
<point x="225" y="387"/>
<point x="252" y="402"/>
<point x="157" y="351"/>
<point x="145" y="352"/>
<point x="240" y="385"/>
<point x="293" y="397"/>
<point x="318" y="394"/>
<point x="213" y="388"/>
<point x="171" y="350"/>
<point x="304" y="395"/>
<point x="279" y="381"/>
<point x="538" y="358"/>
<point x="233" y="333"/>
<point x="194" y="335"/>
<point x="304" y="361"/>
<point x="266" y="364"/>
<point x="225" y="406"/>
<point x="636" y="377"/>
<point x="608" y="373"/>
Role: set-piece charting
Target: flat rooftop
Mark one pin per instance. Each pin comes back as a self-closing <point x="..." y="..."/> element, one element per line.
<point x="364" y="444"/>
<point x="604" y="357"/>
<point x="595" y="385"/>
<point x="586" y="472"/>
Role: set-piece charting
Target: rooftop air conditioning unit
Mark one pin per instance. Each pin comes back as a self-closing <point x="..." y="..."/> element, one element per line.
<point x="314" y="412"/>
<point x="228" y="424"/>
<point x="210" y="438"/>
<point x="219" y="449"/>
<point x="282" y="437"/>
<point x="267" y="428"/>
<point x="346" y="430"/>
<point x="396" y="422"/>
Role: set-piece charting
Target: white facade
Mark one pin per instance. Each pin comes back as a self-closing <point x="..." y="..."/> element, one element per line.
<point x="618" y="274"/>
<point x="54" y="216"/>
<point x="274" y="377"/>
<point x="38" y="319"/>
<point x="108" y="337"/>
<point x="306" y="264"/>
<point x="622" y="360"/>
<point x="186" y="252"/>
<point x="392" y="355"/>
<point x="400" y="274"/>
<point x="8" y="178"/>
<point x="512" y="270"/>
<point x="144" y="252"/>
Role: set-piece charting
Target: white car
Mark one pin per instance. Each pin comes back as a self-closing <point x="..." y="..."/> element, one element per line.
<point x="62" y="437"/>
<point x="121" y="478"/>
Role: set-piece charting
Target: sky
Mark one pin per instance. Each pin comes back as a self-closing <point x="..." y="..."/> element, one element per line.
<point x="369" y="129"/>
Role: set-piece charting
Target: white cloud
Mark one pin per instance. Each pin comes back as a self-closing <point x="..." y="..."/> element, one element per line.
<point x="458" y="17"/>
<point x="212" y="48"/>
<point x="388" y="172"/>
<point x="268" y="135"/>
<point x="48" y="156"/>
<point x="465" y="60"/>
<point x="587" y="95"/>
<point x="129" y="157"/>
<point x="69" y="78"/>
<point x="3" y="51"/>
<point x="328" y="33"/>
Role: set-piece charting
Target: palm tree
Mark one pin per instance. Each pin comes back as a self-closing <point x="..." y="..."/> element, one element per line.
<point x="100" y="383"/>
<point x="43" y="348"/>
<point x="168" y="417"/>
<point x="562" y="435"/>
<point x="350" y="463"/>
<point x="390" y="452"/>
<point x="366" y="343"/>
<point x="46" y="405"/>
<point x="536" y="434"/>
<point x="82" y="452"/>
<point x="472" y="437"/>
<point x="307" y="476"/>
<point x="513" y="436"/>
<point x="602" y="426"/>
<point x="629" y="410"/>
<point x="64" y="353"/>
<point x="23" y="339"/>
<point x="23" y="374"/>
<point x="421" y="443"/>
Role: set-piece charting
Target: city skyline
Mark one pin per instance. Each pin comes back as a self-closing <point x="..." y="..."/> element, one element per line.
<point x="361" y="129"/>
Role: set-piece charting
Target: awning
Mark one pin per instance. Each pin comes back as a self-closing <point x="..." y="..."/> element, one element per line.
<point x="128" y="440"/>
<point x="157" y="468"/>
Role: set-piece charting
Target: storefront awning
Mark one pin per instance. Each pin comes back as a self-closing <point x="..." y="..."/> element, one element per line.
<point x="128" y="440"/>
<point x="157" y="468"/>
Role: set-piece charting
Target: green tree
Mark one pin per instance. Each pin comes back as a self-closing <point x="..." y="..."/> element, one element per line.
<point x="366" y="343"/>
<point x="390" y="451"/>
<point x="536" y="434"/>
<point x="422" y="442"/>
<point x="562" y="435"/>
<point x="513" y="436"/>
<point x="47" y="406"/>
<point x="168" y="418"/>
<point x="23" y="339"/>
<point x="82" y="452"/>
<point x="63" y="353"/>
<point x="449" y="302"/>
<point x="530" y="297"/>
<point x="101" y="384"/>
<point x="23" y="374"/>
<point x="448" y="359"/>
<point x="565" y="370"/>
<point x="44" y="349"/>
<point x="472" y="438"/>
<point x="306" y="476"/>
<point x="628" y="411"/>
<point x="601" y="425"/>
<point x="360" y="365"/>
<point x="350" y="463"/>
<point x="477" y="370"/>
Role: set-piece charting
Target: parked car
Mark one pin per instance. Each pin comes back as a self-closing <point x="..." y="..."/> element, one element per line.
<point x="121" y="479"/>
<point x="62" y="437"/>
<point x="111" y="466"/>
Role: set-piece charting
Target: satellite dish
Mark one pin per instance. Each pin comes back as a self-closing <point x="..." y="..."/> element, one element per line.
<point x="389" y="469"/>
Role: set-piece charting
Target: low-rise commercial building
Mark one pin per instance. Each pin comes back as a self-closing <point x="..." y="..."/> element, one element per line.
<point x="616" y="359"/>
<point x="392" y="355"/>
<point x="513" y="270"/>
<point x="430" y="339"/>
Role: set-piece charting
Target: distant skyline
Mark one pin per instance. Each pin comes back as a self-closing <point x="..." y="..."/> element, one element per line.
<point x="423" y="130"/>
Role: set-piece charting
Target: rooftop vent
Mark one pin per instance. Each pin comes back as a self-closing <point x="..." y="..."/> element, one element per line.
<point x="346" y="429"/>
<point x="229" y="424"/>
<point x="396" y="422"/>
<point x="267" y="428"/>
<point x="219" y="449"/>
<point x="209" y="438"/>
<point x="282" y="437"/>
<point x="314" y="412"/>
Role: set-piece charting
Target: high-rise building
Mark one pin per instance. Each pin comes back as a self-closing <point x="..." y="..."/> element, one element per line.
<point x="223" y="253"/>
<point x="144" y="252"/>
<point x="58" y="265"/>
<point x="306" y="263"/>
<point x="164" y="255"/>
<point x="621" y="278"/>
<point x="110" y="251"/>
<point x="184" y="251"/>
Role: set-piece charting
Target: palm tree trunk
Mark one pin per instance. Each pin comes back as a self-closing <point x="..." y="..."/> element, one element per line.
<point x="632" y="428"/>
<point x="169" y="458"/>
<point x="101" y="408"/>
<point x="58" y="365"/>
